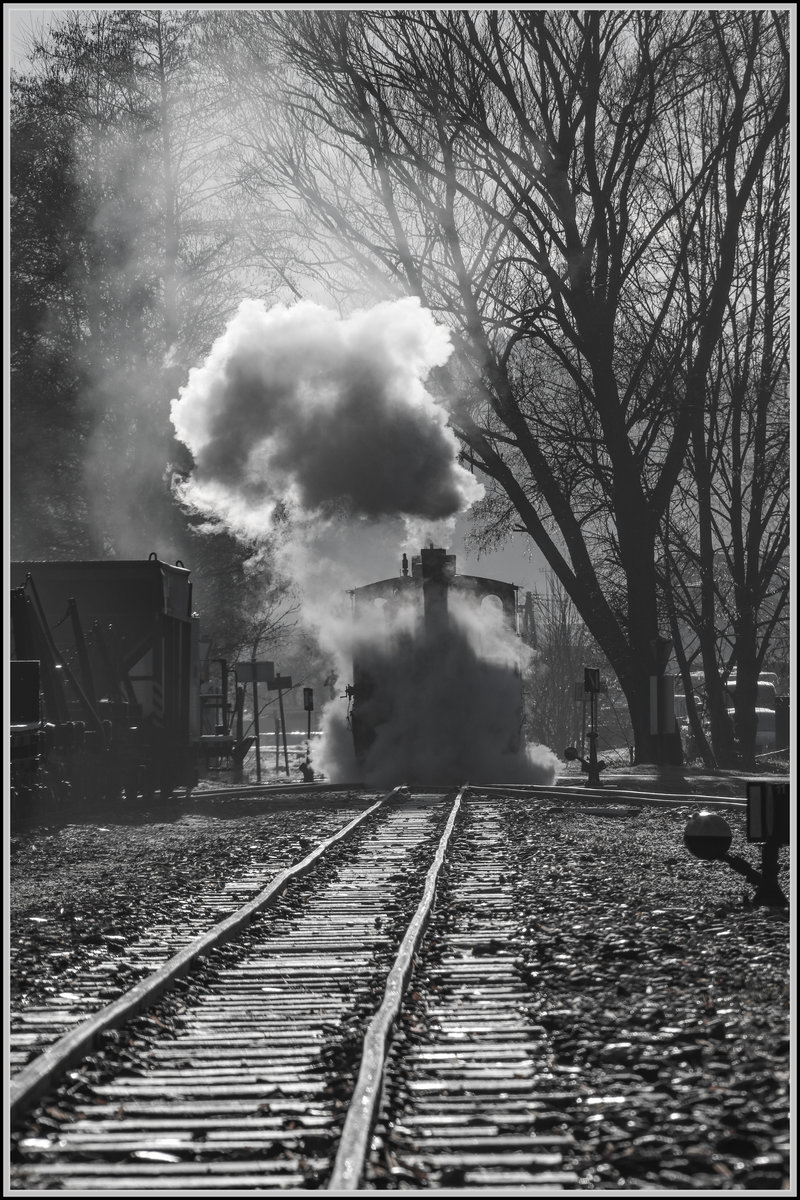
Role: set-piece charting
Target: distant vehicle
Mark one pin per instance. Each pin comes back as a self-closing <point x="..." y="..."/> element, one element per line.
<point x="765" y="729"/>
<point x="766" y="704"/>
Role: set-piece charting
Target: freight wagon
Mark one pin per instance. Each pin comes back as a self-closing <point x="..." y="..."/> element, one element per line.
<point x="105" y="687"/>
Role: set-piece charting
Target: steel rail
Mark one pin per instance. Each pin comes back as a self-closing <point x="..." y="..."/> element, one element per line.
<point x="35" y="1078"/>
<point x="610" y="795"/>
<point x="348" y="1168"/>
<point x="270" y="789"/>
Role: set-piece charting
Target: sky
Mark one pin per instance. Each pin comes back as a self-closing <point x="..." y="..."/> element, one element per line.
<point x="376" y="553"/>
<point x="20" y="21"/>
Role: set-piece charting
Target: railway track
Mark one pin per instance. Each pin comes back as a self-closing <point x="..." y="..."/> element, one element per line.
<point x="472" y="1098"/>
<point x="117" y="962"/>
<point x="362" y="1022"/>
<point x="368" y="1020"/>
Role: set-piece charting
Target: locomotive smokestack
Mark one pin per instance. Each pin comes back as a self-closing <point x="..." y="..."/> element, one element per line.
<point x="404" y="564"/>
<point x="434" y="590"/>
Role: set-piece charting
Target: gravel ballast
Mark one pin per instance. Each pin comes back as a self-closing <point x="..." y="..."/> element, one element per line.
<point x="664" y="993"/>
<point x="666" y="996"/>
<point x="80" y="891"/>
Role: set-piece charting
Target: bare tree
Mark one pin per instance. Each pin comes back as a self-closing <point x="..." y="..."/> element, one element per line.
<point x="555" y="698"/>
<point x="727" y="530"/>
<point x="122" y="269"/>
<point x="244" y="605"/>
<point x="552" y="627"/>
<point x="538" y="180"/>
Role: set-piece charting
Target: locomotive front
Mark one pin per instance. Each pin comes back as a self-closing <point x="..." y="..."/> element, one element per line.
<point x="437" y="687"/>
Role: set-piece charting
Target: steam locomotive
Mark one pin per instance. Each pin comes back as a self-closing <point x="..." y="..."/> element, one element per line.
<point x="109" y="680"/>
<point x="105" y="681"/>
<point x="437" y="686"/>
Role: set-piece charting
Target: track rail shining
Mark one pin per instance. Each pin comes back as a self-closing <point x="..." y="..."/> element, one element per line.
<point x="362" y="1022"/>
<point x="260" y="1043"/>
<point x="350" y="1161"/>
<point x="38" y="1075"/>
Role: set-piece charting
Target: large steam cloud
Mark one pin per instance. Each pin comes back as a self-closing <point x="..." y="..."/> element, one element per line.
<point x="330" y="417"/>
<point x="298" y="405"/>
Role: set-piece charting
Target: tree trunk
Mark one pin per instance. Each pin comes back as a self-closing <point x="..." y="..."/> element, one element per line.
<point x="746" y="695"/>
<point x="662" y="749"/>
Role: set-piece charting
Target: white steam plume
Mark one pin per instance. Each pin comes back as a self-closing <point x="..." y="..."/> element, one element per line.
<point x="298" y="405"/>
<point x="328" y="416"/>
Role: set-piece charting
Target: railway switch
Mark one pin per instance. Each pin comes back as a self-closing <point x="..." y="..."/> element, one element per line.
<point x="708" y="836"/>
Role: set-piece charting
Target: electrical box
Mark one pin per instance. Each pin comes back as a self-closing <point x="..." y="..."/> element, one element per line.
<point x="662" y="704"/>
<point x="768" y="812"/>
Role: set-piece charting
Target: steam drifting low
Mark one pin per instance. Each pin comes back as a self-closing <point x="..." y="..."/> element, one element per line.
<point x="443" y="699"/>
<point x="298" y="405"/>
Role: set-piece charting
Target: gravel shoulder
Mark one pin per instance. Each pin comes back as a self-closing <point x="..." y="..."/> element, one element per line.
<point x="665" y="993"/>
<point x="80" y="891"/>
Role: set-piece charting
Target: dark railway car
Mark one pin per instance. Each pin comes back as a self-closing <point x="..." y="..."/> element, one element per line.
<point x="425" y="690"/>
<point x="114" y="647"/>
<point x="28" y="734"/>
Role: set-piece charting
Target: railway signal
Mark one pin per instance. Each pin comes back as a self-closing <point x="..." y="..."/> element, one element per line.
<point x="708" y="836"/>
<point x="255" y="673"/>
<point x="591" y="684"/>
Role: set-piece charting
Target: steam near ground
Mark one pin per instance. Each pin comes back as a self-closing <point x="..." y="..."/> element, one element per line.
<point x="327" y="419"/>
<point x="446" y="701"/>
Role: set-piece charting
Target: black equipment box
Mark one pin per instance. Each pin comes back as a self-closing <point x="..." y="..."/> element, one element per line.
<point x="768" y="812"/>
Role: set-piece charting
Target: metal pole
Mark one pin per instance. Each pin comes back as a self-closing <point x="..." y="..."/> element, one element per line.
<point x="225" y="712"/>
<point x="240" y="713"/>
<point x="238" y="761"/>
<point x="308" y="738"/>
<point x="255" y="723"/>
<point x="283" y="725"/>
<point x="594" y="775"/>
<point x="277" y="744"/>
<point x="769" y="890"/>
